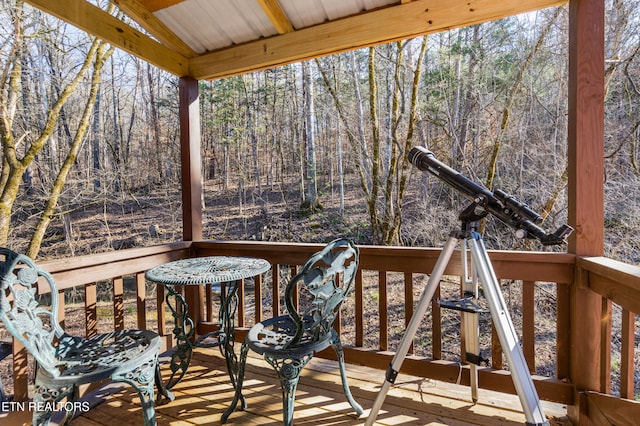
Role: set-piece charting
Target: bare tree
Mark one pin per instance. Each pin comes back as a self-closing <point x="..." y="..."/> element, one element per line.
<point x="384" y="187"/>
<point x="19" y="147"/>
<point x="310" y="202"/>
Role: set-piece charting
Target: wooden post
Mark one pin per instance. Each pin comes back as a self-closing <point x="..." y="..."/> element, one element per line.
<point x="586" y="192"/>
<point x="191" y="162"/>
<point x="190" y="159"/>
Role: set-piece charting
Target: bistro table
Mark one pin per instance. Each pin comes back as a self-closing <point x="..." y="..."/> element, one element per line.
<point x="201" y="271"/>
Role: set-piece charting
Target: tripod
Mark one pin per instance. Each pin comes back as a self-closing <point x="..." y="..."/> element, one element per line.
<point x="483" y="271"/>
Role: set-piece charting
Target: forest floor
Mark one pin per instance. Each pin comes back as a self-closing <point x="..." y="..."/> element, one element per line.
<point x="98" y="223"/>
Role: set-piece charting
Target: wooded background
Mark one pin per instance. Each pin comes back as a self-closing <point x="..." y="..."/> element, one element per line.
<point x="85" y="127"/>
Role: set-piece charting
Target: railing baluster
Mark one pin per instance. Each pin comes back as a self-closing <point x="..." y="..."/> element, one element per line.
<point x="359" y="309"/>
<point x="382" y="309"/>
<point x="436" y="327"/>
<point x="275" y="290"/>
<point x="257" y="294"/>
<point x="605" y="347"/>
<point x="20" y="372"/>
<point x="118" y="303"/>
<point x="241" y="294"/>
<point x="408" y="301"/>
<point x="91" y="309"/>
<point x="208" y="291"/>
<point x="563" y="326"/>
<point x="141" y="300"/>
<point x="294" y="294"/>
<point x="337" y="325"/>
<point x="61" y="308"/>
<point x="528" y="324"/>
<point x="496" y="349"/>
<point x="162" y="305"/>
<point x="627" y="370"/>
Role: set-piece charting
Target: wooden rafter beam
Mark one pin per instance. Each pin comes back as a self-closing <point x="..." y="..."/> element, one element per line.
<point x="398" y="22"/>
<point x="278" y="18"/>
<point x="147" y="20"/>
<point x="94" y="20"/>
<point x="403" y="20"/>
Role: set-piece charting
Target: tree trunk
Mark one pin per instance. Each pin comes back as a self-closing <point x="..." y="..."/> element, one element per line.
<point x="101" y="54"/>
<point x="511" y="95"/>
<point x="95" y="141"/>
<point x="400" y="165"/>
<point x="13" y="165"/>
<point x="155" y="125"/>
<point x="311" y="203"/>
<point x="372" y="199"/>
<point x="254" y="139"/>
<point x="340" y="169"/>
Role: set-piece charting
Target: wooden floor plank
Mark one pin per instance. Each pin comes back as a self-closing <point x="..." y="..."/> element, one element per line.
<point x="205" y="393"/>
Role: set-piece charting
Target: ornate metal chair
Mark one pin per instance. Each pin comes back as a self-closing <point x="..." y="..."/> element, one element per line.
<point x="65" y="362"/>
<point x="288" y="342"/>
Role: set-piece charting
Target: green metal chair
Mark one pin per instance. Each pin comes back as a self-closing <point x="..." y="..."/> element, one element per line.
<point x="288" y="342"/>
<point x="65" y="362"/>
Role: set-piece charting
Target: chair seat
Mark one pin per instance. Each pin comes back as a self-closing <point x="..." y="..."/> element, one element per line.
<point x="86" y="360"/>
<point x="273" y="335"/>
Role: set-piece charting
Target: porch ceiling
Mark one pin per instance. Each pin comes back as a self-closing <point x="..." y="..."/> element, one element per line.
<point x="208" y="39"/>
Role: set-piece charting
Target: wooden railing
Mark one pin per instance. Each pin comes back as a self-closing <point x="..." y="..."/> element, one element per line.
<point x="536" y="286"/>
<point x="619" y="285"/>
<point x="387" y="287"/>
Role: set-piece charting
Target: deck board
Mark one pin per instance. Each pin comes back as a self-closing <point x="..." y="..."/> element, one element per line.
<point x="205" y="392"/>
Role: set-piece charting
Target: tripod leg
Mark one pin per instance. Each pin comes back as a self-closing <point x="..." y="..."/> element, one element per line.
<point x="412" y="327"/>
<point x="506" y="332"/>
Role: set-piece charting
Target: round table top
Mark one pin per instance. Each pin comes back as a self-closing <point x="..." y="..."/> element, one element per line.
<point x="207" y="270"/>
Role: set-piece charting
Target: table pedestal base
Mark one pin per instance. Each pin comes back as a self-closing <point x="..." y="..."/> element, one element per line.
<point x="184" y="330"/>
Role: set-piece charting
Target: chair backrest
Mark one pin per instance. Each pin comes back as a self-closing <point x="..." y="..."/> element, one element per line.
<point x="325" y="280"/>
<point x="33" y="324"/>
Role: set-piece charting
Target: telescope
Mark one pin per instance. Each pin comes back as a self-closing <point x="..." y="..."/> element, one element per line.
<point x="505" y="207"/>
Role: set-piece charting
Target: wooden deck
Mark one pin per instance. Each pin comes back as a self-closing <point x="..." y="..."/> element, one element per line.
<point x="205" y="393"/>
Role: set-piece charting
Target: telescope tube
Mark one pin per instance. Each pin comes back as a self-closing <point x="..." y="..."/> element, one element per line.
<point x="426" y="161"/>
<point x="500" y="204"/>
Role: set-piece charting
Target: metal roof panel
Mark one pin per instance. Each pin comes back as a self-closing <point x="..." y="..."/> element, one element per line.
<point x="305" y="13"/>
<point x="207" y="25"/>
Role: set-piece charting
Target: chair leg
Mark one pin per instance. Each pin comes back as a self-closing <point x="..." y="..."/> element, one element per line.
<point x="237" y="396"/>
<point x="164" y="394"/>
<point x="288" y="370"/>
<point x="71" y="397"/>
<point x="337" y="346"/>
<point x="45" y="398"/>
<point x="143" y="380"/>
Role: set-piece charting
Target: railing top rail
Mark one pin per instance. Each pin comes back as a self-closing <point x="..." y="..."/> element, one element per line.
<point x="612" y="279"/>
<point x="534" y="266"/>
<point x="74" y="271"/>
